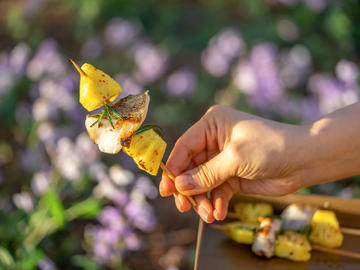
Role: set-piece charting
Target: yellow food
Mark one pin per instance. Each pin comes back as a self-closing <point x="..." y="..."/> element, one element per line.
<point x="293" y="246"/>
<point x="325" y="229"/>
<point x="240" y="234"/>
<point x="250" y="212"/>
<point x="96" y="87"/>
<point x="147" y="149"/>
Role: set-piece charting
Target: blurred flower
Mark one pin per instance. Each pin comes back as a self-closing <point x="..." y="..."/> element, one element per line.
<point x="181" y="82"/>
<point x="150" y="62"/>
<point x="120" y="32"/>
<point x="40" y="182"/>
<point x="86" y="149"/>
<point x="92" y="48"/>
<point x="295" y="66"/>
<point x="287" y="30"/>
<point x="7" y="79"/>
<point x="244" y="77"/>
<point x="43" y="110"/>
<point x="31" y="8"/>
<point x="146" y="187"/>
<point x="347" y="72"/>
<point x="46" y="264"/>
<point x="47" y="60"/>
<point x="222" y="49"/>
<point x="316" y="5"/>
<point x="68" y="161"/>
<point x="141" y="215"/>
<point x="46" y="132"/>
<point x="112" y="218"/>
<point x="332" y="93"/>
<point x="128" y="84"/>
<point x="120" y="176"/>
<point x="132" y="242"/>
<point x="18" y="58"/>
<point x="24" y="201"/>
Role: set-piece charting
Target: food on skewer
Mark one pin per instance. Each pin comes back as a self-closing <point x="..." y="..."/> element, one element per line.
<point x="296" y="217"/>
<point x="265" y="237"/>
<point x="325" y="229"/>
<point x="238" y="231"/>
<point x="96" y="87"/>
<point x="293" y="246"/>
<point x="109" y="137"/>
<point x="147" y="149"/>
<point x="250" y="212"/>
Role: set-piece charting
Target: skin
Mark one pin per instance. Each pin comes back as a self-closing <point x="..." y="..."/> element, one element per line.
<point x="228" y="151"/>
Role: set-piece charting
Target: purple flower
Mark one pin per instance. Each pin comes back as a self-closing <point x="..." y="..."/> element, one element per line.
<point x="40" y="182"/>
<point x="141" y="216"/>
<point x="18" y="58"/>
<point x="146" y="187"/>
<point x="347" y="72"/>
<point x="181" y="83"/>
<point x="111" y="217"/>
<point x="132" y="242"/>
<point x="120" y="32"/>
<point x="92" y="48"/>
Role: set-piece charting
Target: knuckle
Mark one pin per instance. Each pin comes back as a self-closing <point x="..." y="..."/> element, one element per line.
<point x="205" y="176"/>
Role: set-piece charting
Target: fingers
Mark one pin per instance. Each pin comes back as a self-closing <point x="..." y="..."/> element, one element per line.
<point x="206" y="176"/>
<point x="167" y="186"/>
<point x="222" y="195"/>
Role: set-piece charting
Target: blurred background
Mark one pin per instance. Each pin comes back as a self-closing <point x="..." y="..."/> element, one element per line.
<point x="65" y="205"/>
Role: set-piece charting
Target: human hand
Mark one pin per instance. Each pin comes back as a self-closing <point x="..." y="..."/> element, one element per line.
<point x="228" y="151"/>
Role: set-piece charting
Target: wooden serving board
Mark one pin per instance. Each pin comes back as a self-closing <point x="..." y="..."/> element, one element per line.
<point x="219" y="252"/>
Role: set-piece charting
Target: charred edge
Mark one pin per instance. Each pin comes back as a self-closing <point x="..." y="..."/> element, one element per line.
<point x="125" y="142"/>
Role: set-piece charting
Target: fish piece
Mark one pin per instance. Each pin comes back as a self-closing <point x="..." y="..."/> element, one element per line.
<point x="133" y="110"/>
<point x="264" y="243"/>
<point x="297" y="216"/>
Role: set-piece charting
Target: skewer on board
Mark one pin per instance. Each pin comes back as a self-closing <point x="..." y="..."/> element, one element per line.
<point x="345" y="230"/>
<point x="355" y="255"/>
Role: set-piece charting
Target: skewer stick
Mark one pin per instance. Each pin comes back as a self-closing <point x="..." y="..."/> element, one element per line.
<point x="172" y="178"/>
<point x="337" y="251"/>
<point x="198" y="243"/>
<point x="345" y="230"/>
<point x="351" y="231"/>
<point x="77" y="67"/>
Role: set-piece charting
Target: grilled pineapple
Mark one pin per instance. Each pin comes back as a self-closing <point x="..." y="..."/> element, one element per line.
<point x="325" y="229"/>
<point x="250" y="212"/>
<point x="240" y="233"/>
<point x="96" y="87"/>
<point x="147" y="149"/>
<point x="292" y="246"/>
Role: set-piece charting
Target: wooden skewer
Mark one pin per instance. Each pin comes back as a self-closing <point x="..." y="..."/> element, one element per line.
<point x="172" y="177"/>
<point x="337" y="251"/>
<point x="77" y="67"/>
<point x="351" y="231"/>
<point x="345" y="230"/>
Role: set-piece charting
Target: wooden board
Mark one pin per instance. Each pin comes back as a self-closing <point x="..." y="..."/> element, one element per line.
<point x="219" y="252"/>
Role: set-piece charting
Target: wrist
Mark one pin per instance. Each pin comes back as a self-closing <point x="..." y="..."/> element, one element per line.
<point x="328" y="152"/>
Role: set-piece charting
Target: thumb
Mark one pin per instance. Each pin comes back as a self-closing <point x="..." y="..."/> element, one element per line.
<point x="206" y="176"/>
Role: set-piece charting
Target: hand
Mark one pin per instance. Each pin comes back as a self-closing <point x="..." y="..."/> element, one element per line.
<point x="228" y="151"/>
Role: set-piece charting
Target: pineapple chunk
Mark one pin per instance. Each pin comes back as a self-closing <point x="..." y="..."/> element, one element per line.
<point x="96" y="87"/>
<point x="250" y="212"/>
<point x="325" y="229"/>
<point x="240" y="233"/>
<point x="147" y="149"/>
<point x="293" y="246"/>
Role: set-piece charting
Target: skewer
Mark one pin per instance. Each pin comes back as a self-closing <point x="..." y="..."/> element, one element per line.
<point x="335" y="251"/>
<point x="172" y="178"/>
<point x="345" y="230"/>
<point x="77" y="67"/>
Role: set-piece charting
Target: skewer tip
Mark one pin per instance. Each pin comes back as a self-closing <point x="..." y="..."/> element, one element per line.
<point x="77" y="67"/>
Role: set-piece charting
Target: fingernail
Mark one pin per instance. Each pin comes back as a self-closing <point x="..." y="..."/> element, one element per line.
<point x="161" y="188"/>
<point x="185" y="182"/>
<point x="203" y="213"/>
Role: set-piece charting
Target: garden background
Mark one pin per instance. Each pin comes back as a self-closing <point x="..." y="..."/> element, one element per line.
<point x="65" y="205"/>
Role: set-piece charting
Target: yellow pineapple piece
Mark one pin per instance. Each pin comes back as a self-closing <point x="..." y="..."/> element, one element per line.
<point x="293" y="246"/>
<point x="250" y="212"/>
<point x="240" y="233"/>
<point x="147" y="149"/>
<point x="325" y="229"/>
<point x="96" y="87"/>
